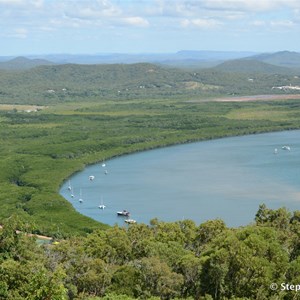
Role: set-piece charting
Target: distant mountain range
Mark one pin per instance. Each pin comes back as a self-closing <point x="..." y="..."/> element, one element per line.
<point x="165" y="58"/>
<point x="252" y="66"/>
<point x="225" y="61"/>
<point x="23" y="63"/>
<point x="282" y="59"/>
<point x="60" y="83"/>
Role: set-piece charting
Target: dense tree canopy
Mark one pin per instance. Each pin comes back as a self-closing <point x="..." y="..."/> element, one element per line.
<point x="161" y="260"/>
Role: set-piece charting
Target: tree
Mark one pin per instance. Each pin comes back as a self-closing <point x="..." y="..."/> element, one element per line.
<point x="157" y="279"/>
<point x="206" y="232"/>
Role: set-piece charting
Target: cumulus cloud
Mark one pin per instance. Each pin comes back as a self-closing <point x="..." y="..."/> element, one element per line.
<point x="59" y="15"/>
<point x="201" y="23"/>
<point x="90" y="9"/>
<point x="282" y="23"/>
<point x="99" y="13"/>
<point x="243" y="5"/>
<point x="136" y="21"/>
<point x="20" y="33"/>
<point x="258" y="23"/>
<point x="10" y="3"/>
<point x="189" y="8"/>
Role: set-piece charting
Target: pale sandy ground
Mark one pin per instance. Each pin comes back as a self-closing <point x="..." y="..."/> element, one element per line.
<point x="257" y="98"/>
<point x="42" y="237"/>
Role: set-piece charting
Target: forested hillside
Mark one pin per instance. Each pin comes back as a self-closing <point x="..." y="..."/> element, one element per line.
<point x="282" y="58"/>
<point x="46" y="85"/>
<point x="251" y="66"/>
<point x="23" y="63"/>
<point x="161" y="261"/>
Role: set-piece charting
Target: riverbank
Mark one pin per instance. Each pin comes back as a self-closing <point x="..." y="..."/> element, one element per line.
<point x="41" y="150"/>
<point x="199" y="181"/>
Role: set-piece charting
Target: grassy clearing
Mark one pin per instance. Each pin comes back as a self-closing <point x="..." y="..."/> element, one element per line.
<point x="16" y="107"/>
<point x="263" y="114"/>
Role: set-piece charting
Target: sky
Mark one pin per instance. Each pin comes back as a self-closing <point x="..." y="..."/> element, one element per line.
<point x="147" y="26"/>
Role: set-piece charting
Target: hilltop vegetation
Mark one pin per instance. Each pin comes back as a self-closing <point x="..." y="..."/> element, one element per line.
<point x="283" y="58"/>
<point x="251" y="66"/>
<point x="45" y="85"/>
<point x="23" y="63"/>
<point x="177" y="260"/>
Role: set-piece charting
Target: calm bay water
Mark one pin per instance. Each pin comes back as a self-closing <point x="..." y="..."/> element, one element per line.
<point x="225" y="178"/>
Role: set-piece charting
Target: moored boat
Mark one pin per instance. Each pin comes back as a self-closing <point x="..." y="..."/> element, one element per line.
<point x="130" y="221"/>
<point x="101" y="206"/>
<point x="123" y="213"/>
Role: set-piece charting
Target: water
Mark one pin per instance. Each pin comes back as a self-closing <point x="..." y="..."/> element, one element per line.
<point x="225" y="178"/>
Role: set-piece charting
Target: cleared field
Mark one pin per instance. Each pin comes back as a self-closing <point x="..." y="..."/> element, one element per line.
<point x="28" y="108"/>
<point x="258" y="98"/>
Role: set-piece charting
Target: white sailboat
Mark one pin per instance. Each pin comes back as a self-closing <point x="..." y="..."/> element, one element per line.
<point x="80" y="197"/>
<point x="101" y="206"/>
<point x="69" y="186"/>
<point x="72" y="193"/>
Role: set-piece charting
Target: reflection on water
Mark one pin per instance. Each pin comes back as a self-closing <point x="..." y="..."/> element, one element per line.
<point x="225" y="178"/>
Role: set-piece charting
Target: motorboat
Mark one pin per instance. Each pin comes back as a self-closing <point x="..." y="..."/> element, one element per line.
<point x="286" y="148"/>
<point x="123" y="213"/>
<point x="91" y="178"/>
<point x="130" y="221"/>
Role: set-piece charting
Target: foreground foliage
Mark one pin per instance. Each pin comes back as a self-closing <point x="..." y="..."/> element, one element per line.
<point x="159" y="261"/>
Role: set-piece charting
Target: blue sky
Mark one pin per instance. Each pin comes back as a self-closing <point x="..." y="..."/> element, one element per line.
<point x="147" y="26"/>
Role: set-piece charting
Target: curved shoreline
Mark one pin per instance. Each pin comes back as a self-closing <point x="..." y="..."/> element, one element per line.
<point x="114" y="196"/>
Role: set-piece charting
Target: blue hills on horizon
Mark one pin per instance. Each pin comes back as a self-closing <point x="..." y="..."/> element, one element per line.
<point x="183" y="59"/>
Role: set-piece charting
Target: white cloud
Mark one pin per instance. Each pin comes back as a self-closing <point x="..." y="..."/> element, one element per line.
<point x="27" y="3"/>
<point x="90" y="9"/>
<point x="98" y="13"/>
<point x="243" y="5"/>
<point x="20" y="33"/>
<point x="11" y="2"/>
<point x="201" y="23"/>
<point x="136" y="21"/>
<point x="189" y="8"/>
<point x="258" y="23"/>
<point x="282" y="23"/>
